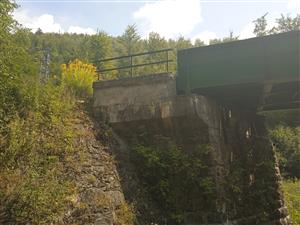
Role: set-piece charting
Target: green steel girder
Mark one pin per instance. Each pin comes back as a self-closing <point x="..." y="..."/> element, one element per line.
<point x="239" y="70"/>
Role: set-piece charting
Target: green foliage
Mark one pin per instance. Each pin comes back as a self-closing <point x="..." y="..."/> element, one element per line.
<point x="182" y="43"/>
<point x="283" y="24"/>
<point x="34" y="188"/>
<point x="199" y="43"/>
<point x="287" y="23"/>
<point x="14" y="63"/>
<point x="230" y="38"/>
<point x="99" y="47"/>
<point x="79" y="77"/>
<point x="153" y="43"/>
<point x="129" y="41"/>
<point x="173" y="178"/>
<point x="36" y="136"/>
<point x="287" y="143"/>
<point x="292" y="199"/>
<point x="261" y="26"/>
<point x="127" y="44"/>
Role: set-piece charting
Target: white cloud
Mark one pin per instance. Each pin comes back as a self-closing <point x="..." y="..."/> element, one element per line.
<point x="205" y="36"/>
<point x="169" y="18"/>
<point x="46" y="23"/>
<point x="81" y="30"/>
<point x="247" y="31"/>
<point x="294" y="4"/>
<point x="271" y="19"/>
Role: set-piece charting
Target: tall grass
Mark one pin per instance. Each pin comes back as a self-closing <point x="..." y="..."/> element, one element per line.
<point x="292" y="197"/>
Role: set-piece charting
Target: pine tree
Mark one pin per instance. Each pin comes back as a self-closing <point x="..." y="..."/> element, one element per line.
<point x="153" y="43"/>
<point x="128" y="44"/>
<point x="261" y="26"/>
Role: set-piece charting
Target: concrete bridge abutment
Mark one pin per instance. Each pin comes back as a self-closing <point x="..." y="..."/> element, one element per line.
<point x="241" y="163"/>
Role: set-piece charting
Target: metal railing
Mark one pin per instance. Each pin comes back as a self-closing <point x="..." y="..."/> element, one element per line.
<point x="131" y="65"/>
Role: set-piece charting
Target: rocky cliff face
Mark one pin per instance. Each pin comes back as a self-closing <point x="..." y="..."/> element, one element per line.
<point x="99" y="198"/>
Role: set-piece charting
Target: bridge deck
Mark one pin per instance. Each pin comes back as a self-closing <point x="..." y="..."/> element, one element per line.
<point x="244" y="72"/>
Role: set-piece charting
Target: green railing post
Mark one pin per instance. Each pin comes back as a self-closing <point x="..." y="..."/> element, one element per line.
<point x="131" y="66"/>
<point x="167" y="52"/>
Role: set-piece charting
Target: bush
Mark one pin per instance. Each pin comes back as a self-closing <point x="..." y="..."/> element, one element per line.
<point x="287" y="143"/>
<point x="173" y="178"/>
<point x="79" y="77"/>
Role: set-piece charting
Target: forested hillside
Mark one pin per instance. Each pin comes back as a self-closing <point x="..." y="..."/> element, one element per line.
<point x="66" y="47"/>
<point x="42" y="76"/>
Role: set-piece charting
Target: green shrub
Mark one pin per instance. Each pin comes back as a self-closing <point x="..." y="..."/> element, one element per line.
<point x="292" y="198"/>
<point x="287" y="143"/>
<point x="173" y="178"/>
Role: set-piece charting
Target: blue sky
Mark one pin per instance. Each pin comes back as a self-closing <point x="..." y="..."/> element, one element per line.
<point x="203" y="19"/>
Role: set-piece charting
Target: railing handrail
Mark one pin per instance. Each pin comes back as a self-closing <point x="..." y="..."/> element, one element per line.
<point x="133" y="55"/>
<point x="136" y="65"/>
<point x="131" y="66"/>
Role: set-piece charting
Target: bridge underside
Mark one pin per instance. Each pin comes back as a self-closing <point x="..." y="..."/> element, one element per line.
<point x="254" y="96"/>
